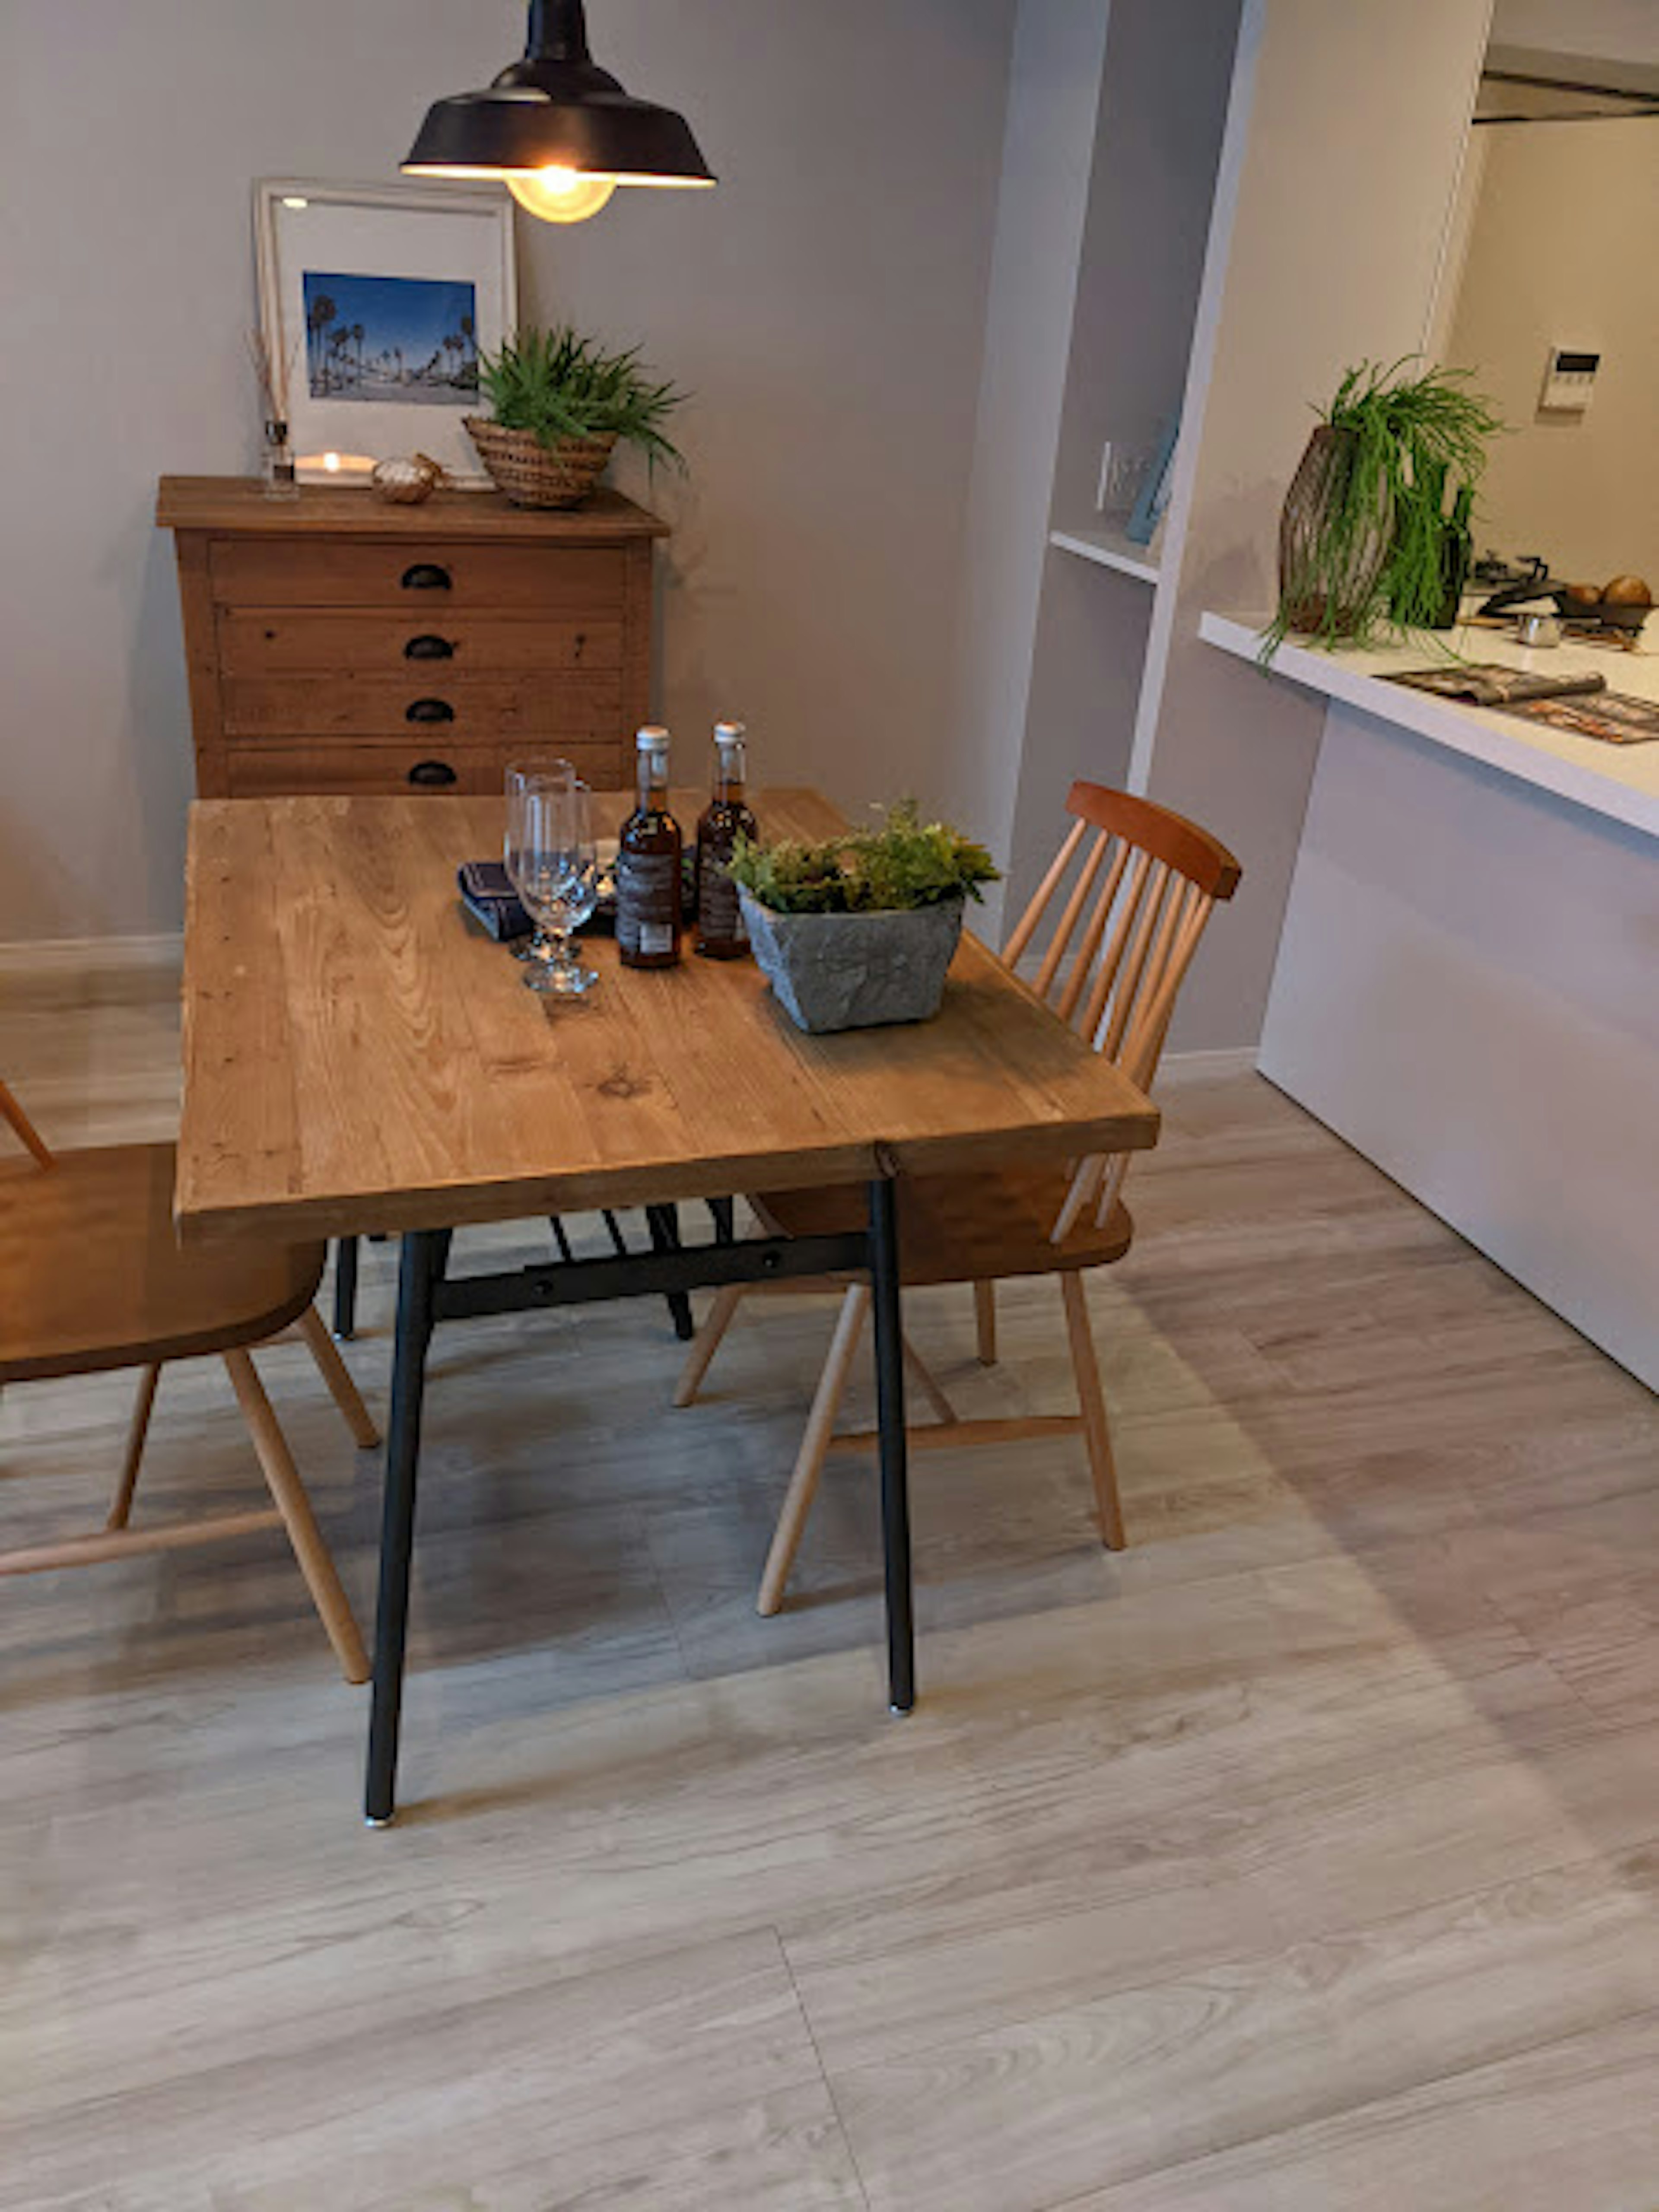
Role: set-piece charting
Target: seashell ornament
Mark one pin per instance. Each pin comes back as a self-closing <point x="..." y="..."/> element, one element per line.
<point x="407" y="479"/>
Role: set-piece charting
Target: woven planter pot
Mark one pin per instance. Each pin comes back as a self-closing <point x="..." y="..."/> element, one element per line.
<point x="534" y="475"/>
<point x="1313" y="596"/>
<point x="856" y="971"/>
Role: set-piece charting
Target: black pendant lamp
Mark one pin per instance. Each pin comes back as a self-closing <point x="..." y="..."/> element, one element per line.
<point x="559" y="132"/>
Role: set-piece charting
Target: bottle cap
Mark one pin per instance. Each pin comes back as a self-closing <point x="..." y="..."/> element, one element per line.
<point x="653" y="738"/>
<point x="730" y="734"/>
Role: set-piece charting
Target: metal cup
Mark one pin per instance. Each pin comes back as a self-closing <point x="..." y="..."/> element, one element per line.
<point x="1538" y="630"/>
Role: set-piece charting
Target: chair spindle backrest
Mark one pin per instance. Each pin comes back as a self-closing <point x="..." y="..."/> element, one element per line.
<point x="1142" y="888"/>
<point x="25" y="1130"/>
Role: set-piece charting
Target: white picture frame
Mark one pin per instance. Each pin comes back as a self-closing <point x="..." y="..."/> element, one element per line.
<point x="421" y="279"/>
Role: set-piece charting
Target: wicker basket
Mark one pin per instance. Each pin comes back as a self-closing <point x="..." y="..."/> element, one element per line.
<point x="1318" y="595"/>
<point x="534" y="475"/>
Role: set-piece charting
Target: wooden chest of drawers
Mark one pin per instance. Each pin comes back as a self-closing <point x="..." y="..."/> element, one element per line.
<point x="336" y="643"/>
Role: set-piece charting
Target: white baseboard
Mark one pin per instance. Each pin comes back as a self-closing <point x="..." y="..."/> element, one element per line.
<point x="1227" y="1059"/>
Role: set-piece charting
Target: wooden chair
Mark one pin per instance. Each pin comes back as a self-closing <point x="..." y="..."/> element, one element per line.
<point x="91" y="1279"/>
<point x="1126" y="902"/>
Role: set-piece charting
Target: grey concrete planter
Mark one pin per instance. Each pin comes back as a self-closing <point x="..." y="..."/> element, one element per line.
<point x="854" y="971"/>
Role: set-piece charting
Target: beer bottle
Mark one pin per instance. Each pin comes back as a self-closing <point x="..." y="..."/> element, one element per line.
<point x="648" y="866"/>
<point x="721" y="932"/>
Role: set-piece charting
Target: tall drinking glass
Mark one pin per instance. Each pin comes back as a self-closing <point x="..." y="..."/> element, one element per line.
<point x="550" y="858"/>
<point x="536" y="772"/>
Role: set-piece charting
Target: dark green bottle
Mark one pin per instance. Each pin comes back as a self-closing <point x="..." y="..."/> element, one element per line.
<point x="1456" y="556"/>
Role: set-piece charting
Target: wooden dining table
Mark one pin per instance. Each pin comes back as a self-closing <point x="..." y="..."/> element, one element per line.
<point x="359" y="1057"/>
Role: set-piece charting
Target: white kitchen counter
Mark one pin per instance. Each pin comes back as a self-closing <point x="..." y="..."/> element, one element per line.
<point x="1467" y="981"/>
<point x="1621" y="781"/>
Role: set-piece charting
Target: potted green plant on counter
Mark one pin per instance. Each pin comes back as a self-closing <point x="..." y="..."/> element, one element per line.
<point x="1362" y="538"/>
<point x="860" y="930"/>
<point x="563" y="404"/>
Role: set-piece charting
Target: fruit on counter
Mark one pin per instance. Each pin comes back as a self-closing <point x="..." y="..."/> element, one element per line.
<point x="1582" y="595"/>
<point x="1627" y="591"/>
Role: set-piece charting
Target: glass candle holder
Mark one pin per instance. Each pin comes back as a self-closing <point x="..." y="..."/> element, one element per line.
<point x="281" y="479"/>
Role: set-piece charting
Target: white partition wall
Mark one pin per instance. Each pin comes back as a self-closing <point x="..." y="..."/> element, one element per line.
<point x="1466" y="993"/>
<point x="1253" y="198"/>
<point x="1345" y="143"/>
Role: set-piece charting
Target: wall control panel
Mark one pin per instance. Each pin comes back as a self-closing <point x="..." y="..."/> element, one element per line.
<point x="1570" y="376"/>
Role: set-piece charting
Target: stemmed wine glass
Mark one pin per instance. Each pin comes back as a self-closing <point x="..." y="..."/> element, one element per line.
<point x="554" y="870"/>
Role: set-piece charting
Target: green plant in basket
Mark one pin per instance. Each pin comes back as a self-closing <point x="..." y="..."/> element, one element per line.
<point x="907" y="863"/>
<point x="558" y="385"/>
<point x="1362" y="538"/>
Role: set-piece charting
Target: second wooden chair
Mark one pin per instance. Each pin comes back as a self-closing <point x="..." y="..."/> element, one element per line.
<point x="1124" y="906"/>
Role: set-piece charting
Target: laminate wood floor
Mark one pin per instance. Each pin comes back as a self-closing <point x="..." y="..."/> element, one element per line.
<point x="1305" y="1857"/>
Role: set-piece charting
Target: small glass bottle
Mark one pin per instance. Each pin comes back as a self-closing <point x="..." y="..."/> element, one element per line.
<point x="721" y="932"/>
<point x="648" y="856"/>
<point x="281" y="479"/>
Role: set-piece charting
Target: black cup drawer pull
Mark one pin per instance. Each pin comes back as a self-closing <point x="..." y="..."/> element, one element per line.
<point x="433" y="775"/>
<point x="430" y="648"/>
<point x="429" y="710"/>
<point x="427" y="576"/>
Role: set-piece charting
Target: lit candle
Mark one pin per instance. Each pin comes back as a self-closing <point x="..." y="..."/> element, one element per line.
<point x="313" y="466"/>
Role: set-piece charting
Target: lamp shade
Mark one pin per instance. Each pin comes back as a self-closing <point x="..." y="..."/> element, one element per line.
<point x="555" y="110"/>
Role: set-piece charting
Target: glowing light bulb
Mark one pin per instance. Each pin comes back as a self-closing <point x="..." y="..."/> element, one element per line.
<point x="559" y="195"/>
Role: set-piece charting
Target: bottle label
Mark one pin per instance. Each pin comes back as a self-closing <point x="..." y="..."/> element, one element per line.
<point x="648" y="901"/>
<point x="720" y="915"/>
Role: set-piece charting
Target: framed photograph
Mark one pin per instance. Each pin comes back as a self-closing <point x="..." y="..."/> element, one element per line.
<point x="375" y="302"/>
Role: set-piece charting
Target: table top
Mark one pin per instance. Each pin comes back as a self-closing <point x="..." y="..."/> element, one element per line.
<point x="239" y="504"/>
<point x="359" y="1056"/>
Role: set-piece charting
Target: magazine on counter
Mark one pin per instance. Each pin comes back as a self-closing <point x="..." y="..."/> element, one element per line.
<point x="1580" y="705"/>
<point x="1490" y="683"/>
<point x="1614" y="717"/>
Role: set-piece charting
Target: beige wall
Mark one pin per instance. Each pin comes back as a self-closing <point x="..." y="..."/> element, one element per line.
<point x="1615" y="30"/>
<point x="1550" y="261"/>
<point x="826" y="305"/>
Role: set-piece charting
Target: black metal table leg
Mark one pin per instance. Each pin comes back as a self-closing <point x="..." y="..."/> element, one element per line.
<point x="420" y="1265"/>
<point x="345" y="1288"/>
<point x="664" y="1223"/>
<point x="895" y="1450"/>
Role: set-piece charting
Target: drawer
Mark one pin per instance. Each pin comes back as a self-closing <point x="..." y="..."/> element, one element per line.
<point x="429" y="639"/>
<point x="454" y="711"/>
<point x="280" y="771"/>
<point x="323" y="572"/>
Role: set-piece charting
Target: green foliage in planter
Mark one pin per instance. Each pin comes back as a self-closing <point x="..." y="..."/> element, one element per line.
<point x="1406" y="436"/>
<point x="562" y="385"/>
<point x="906" y="863"/>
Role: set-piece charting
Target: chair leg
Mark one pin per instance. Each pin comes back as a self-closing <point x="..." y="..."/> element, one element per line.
<point x="984" y="1322"/>
<point x="282" y="1478"/>
<point x="1097" y="1435"/>
<point x="708" y="1342"/>
<point x="922" y="1376"/>
<point x="121" y="1512"/>
<point x="338" y="1375"/>
<point x="814" y="1449"/>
